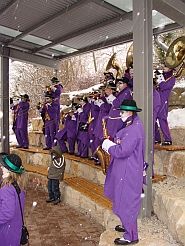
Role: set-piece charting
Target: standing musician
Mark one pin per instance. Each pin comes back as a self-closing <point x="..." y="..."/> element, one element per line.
<point x="124" y="93"/>
<point x="93" y="117"/>
<point x="166" y="82"/>
<point x="21" y="121"/>
<point x="50" y="110"/>
<point x="68" y="133"/>
<point x="56" y="90"/>
<point x="82" y="125"/>
<point x="124" y="177"/>
<point x="104" y="103"/>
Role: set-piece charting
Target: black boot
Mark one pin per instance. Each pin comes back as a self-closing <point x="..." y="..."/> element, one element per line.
<point x="50" y="200"/>
<point x="57" y="201"/>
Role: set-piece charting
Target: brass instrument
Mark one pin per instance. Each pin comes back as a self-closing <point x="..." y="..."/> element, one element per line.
<point x="129" y="57"/>
<point x="90" y="118"/>
<point x="175" y="56"/>
<point x="14" y="96"/>
<point x="48" y="89"/>
<point x="112" y="63"/>
<point x="102" y="155"/>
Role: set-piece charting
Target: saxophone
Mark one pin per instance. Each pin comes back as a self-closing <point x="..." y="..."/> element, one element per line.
<point x="102" y="155"/>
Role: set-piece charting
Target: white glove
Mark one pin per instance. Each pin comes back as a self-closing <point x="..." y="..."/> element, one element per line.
<point x="80" y="110"/>
<point x="160" y="78"/>
<point x="48" y="104"/>
<point x="110" y="98"/>
<point x="107" y="144"/>
<point x="53" y="88"/>
<point x="73" y="117"/>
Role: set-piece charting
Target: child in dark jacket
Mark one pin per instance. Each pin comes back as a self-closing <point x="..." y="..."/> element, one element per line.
<point x="55" y="174"/>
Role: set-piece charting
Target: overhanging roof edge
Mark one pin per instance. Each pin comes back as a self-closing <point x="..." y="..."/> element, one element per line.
<point x="29" y="58"/>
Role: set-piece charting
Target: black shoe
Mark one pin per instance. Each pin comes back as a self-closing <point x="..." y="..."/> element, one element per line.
<point x="71" y="153"/>
<point x="18" y="147"/>
<point x="97" y="164"/>
<point x="25" y="147"/>
<point x="119" y="228"/>
<point x="92" y="158"/>
<point x="57" y="201"/>
<point x="50" y="200"/>
<point x="157" y="142"/>
<point x="166" y="143"/>
<point x="46" y="148"/>
<point x="122" y="241"/>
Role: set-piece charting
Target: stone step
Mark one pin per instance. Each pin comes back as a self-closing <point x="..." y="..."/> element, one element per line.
<point x="84" y="194"/>
<point x="169" y="147"/>
<point x="76" y="166"/>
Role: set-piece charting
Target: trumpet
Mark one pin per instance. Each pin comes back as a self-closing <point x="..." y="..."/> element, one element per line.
<point x="40" y="104"/>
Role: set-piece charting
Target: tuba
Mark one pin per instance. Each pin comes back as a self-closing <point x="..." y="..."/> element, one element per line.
<point x="112" y="63"/>
<point x="102" y="155"/>
<point x="129" y="57"/>
<point x="175" y="55"/>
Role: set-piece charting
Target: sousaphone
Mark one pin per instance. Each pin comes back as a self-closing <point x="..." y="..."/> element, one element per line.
<point x="112" y="63"/>
<point x="175" y="56"/>
<point x="129" y="57"/>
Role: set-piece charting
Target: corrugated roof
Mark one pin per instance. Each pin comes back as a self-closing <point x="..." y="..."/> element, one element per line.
<point x="58" y="29"/>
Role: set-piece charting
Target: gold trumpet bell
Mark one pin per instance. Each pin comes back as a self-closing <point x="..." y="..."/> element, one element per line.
<point x="176" y="55"/>
<point x="129" y="57"/>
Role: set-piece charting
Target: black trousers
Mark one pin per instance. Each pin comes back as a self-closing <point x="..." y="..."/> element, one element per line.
<point x="53" y="188"/>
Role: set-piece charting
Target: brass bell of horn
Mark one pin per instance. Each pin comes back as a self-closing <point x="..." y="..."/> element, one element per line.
<point x="175" y="55"/>
<point x="112" y="63"/>
<point x="129" y="57"/>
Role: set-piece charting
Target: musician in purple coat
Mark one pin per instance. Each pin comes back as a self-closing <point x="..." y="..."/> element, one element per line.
<point x="104" y="107"/>
<point x="21" y="125"/>
<point x="68" y="133"/>
<point x="50" y="109"/>
<point x="56" y="89"/>
<point x="166" y="83"/>
<point x="10" y="213"/>
<point x="93" y="117"/>
<point x="82" y="125"/>
<point x="124" y="178"/>
<point x="124" y="93"/>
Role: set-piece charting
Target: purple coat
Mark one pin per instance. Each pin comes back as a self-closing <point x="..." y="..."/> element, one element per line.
<point x="104" y="111"/>
<point x="124" y="178"/>
<point x="22" y="115"/>
<point x="51" y="111"/>
<point x="165" y="89"/>
<point x="156" y="103"/>
<point x="95" y="109"/>
<point x="112" y="125"/>
<point x="10" y="216"/>
<point x="83" y="117"/>
<point x="56" y="94"/>
<point x="69" y="128"/>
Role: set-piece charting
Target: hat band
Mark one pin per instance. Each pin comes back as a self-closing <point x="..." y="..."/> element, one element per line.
<point x="132" y="108"/>
<point x="12" y="166"/>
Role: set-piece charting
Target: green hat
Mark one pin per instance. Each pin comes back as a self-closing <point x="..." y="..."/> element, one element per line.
<point x="129" y="105"/>
<point x="49" y="95"/>
<point x="54" y="80"/>
<point x="111" y="85"/>
<point x="25" y="96"/>
<point x="12" y="162"/>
